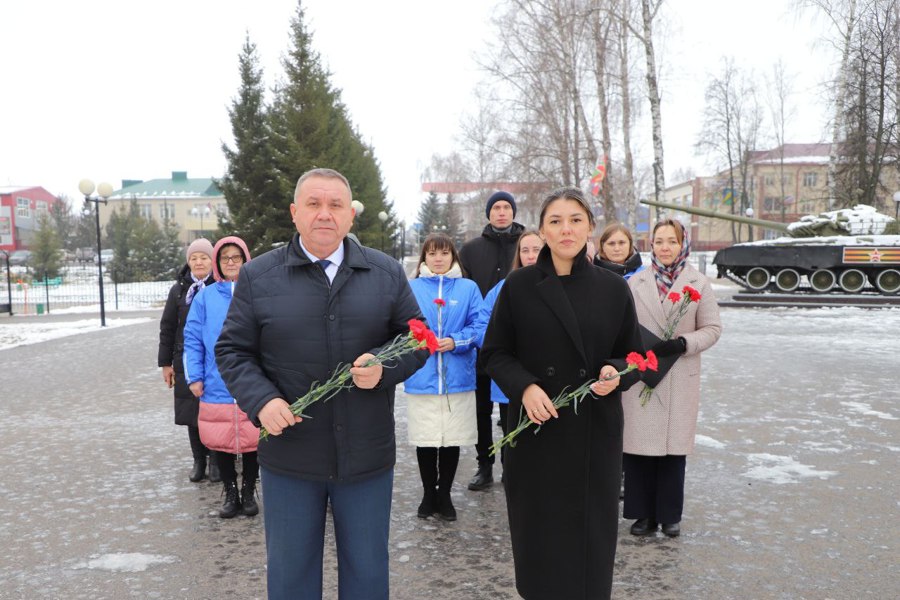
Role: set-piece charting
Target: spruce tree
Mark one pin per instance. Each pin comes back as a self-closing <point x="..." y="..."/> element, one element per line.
<point x="453" y="221"/>
<point x="45" y="259"/>
<point x="311" y="128"/>
<point x="430" y="214"/>
<point x="61" y="212"/>
<point x="258" y="210"/>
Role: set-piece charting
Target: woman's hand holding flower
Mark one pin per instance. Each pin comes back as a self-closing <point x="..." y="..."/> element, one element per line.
<point x="366" y="377"/>
<point x="608" y="381"/>
<point x="538" y="405"/>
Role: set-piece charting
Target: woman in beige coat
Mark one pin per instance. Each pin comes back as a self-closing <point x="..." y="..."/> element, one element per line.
<point x="659" y="435"/>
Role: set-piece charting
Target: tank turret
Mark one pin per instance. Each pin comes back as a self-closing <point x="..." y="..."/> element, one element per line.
<point x="837" y="250"/>
<point x="862" y="219"/>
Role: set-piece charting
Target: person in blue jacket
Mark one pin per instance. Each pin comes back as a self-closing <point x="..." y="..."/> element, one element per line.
<point x="223" y="425"/>
<point x="441" y="395"/>
<point x="617" y="253"/>
<point x="527" y="250"/>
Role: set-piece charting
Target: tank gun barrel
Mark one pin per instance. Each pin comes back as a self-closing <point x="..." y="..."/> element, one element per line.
<point x="705" y="212"/>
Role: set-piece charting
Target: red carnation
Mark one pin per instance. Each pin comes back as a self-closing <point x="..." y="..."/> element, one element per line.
<point x="634" y="358"/>
<point x="675" y="297"/>
<point x="652" y="362"/>
<point x="423" y="335"/>
<point x="694" y="294"/>
<point x="440" y="302"/>
<point x="417" y="328"/>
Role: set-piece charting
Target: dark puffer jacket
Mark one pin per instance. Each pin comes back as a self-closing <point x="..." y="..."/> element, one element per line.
<point x="488" y="258"/>
<point x="171" y="345"/>
<point x="286" y="329"/>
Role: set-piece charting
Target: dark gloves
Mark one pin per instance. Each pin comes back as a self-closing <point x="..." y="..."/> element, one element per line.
<point x="670" y="347"/>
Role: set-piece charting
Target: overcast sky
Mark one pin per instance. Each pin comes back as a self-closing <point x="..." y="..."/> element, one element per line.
<point x="113" y="90"/>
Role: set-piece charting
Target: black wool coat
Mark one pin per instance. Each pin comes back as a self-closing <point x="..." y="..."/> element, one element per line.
<point x="171" y="345"/>
<point x="562" y="484"/>
<point x="488" y="258"/>
<point x="287" y="328"/>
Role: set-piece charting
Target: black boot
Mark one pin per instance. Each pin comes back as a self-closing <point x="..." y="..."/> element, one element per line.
<point x="448" y="459"/>
<point x="445" y="505"/>
<point x="428" y="471"/>
<point x="429" y="503"/>
<point x="483" y="479"/>
<point x="214" y="475"/>
<point x="232" y="503"/>
<point x="198" y="471"/>
<point x="248" y="501"/>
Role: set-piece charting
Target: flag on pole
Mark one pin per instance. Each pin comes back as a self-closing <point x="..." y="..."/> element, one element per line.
<point x="597" y="177"/>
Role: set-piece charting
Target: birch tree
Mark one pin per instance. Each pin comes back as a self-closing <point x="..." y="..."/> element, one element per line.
<point x="842" y="14"/>
<point x="779" y="86"/>
<point x="732" y="119"/>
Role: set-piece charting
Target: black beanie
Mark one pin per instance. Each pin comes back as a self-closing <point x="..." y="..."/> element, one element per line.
<point x="496" y="197"/>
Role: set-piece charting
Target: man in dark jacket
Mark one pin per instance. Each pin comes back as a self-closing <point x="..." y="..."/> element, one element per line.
<point x="298" y="313"/>
<point x="486" y="260"/>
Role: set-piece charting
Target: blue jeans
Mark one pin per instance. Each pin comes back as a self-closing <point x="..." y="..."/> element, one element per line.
<point x="294" y="513"/>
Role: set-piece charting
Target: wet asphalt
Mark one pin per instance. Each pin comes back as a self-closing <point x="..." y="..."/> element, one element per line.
<point x="791" y="493"/>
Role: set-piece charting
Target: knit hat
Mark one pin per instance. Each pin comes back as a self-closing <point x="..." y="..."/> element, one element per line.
<point x="497" y="197"/>
<point x="200" y="245"/>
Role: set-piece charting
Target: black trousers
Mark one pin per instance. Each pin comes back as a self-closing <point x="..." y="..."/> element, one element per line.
<point x="654" y="487"/>
<point x="484" y="408"/>
<point x="198" y="450"/>
<point x="228" y="471"/>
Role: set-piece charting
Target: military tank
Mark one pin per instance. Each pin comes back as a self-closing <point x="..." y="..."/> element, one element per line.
<point x="843" y="250"/>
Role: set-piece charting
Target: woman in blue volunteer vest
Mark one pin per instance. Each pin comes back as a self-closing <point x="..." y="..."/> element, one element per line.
<point x="223" y="425"/>
<point x="441" y="395"/>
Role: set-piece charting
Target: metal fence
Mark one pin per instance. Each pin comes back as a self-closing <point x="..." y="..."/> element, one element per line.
<point x="78" y="288"/>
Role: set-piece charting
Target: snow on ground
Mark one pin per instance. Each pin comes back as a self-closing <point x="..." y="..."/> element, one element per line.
<point x="125" y="562"/>
<point x="782" y="469"/>
<point x="20" y="333"/>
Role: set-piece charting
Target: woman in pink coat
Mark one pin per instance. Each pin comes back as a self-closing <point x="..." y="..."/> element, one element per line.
<point x="659" y="436"/>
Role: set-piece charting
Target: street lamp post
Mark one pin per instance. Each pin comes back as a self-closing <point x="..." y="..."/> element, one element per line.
<point x="8" y="282"/>
<point x="897" y="207"/>
<point x="104" y="191"/>
<point x="383" y="217"/>
<point x="200" y="212"/>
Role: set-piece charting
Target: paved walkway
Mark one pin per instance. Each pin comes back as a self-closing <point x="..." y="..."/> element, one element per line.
<point x="792" y="492"/>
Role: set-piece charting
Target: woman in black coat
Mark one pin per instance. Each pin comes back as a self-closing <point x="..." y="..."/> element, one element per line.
<point x="556" y="325"/>
<point x="196" y="274"/>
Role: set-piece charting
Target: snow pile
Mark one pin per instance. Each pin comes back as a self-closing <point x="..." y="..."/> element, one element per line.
<point x="862" y="219"/>
<point x="20" y="334"/>
<point x="125" y="562"/>
<point x="782" y="469"/>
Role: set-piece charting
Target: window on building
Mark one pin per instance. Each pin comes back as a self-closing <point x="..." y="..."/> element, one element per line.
<point x="769" y="180"/>
<point x="166" y="211"/>
<point x="809" y="179"/>
<point x="770" y="204"/>
<point x="23" y="208"/>
<point x="146" y="210"/>
<point x="40" y="206"/>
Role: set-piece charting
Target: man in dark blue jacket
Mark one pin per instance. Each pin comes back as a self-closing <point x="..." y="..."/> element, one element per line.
<point x="298" y="312"/>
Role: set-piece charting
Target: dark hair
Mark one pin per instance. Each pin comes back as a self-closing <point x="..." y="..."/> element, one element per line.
<point x="232" y="245"/>
<point x="567" y="193"/>
<point x="439" y="241"/>
<point x="517" y="260"/>
<point x="676" y="225"/>
<point x="608" y="232"/>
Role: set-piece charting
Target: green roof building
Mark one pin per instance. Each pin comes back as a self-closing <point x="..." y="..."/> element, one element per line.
<point x="193" y="204"/>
